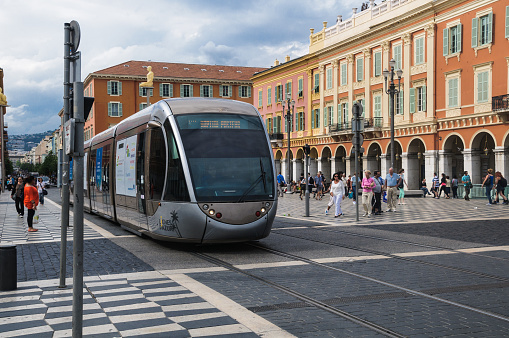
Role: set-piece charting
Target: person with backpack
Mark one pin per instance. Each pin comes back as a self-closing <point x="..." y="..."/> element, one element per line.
<point x="501" y="184"/>
<point x="377" y="190"/>
<point x="454" y="186"/>
<point x="489" y="184"/>
<point x="302" y="182"/>
<point x="467" y="184"/>
<point x="280" y="184"/>
<point x="311" y="183"/>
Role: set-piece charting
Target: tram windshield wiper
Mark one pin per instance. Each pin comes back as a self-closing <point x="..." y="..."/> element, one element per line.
<point x="251" y="187"/>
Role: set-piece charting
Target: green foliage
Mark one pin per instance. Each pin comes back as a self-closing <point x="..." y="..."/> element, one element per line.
<point x="49" y="166"/>
<point x="27" y="167"/>
<point x="9" y="168"/>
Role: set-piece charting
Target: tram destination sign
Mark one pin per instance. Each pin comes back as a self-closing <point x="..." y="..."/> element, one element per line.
<point x="212" y="121"/>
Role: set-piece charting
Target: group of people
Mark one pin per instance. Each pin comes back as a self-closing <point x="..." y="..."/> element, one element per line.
<point x="27" y="193"/>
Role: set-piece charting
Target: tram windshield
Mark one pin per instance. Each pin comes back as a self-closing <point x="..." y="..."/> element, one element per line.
<point x="228" y="156"/>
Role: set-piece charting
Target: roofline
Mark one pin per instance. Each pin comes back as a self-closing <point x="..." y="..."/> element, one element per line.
<point x="164" y="79"/>
<point x="286" y="64"/>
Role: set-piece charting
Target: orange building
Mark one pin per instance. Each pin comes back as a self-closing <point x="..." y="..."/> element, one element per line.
<point x="451" y="113"/>
<point x="118" y="95"/>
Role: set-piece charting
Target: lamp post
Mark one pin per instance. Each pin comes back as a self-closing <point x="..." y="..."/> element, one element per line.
<point x="392" y="91"/>
<point x="290" y="104"/>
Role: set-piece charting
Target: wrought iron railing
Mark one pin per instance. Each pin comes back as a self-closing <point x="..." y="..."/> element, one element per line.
<point x="276" y="136"/>
<point x="336" y="127"/>
<point x="500" y="102"/>
<point x="373" y="122"/>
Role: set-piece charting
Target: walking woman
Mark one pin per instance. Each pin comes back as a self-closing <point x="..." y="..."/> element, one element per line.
<point x="40" y="189"/>
<point x="402" y="181"/>
<point x="443" y="184"/>
<point x="17" y="195"/>
<point x="31" y="201"/>
<point x="488" y="183"/>
<point x="337" y="189"/>
<point x="501" y="183"/>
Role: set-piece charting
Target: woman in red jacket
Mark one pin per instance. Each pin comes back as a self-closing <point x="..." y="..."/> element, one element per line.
<point x="31" y="201"/>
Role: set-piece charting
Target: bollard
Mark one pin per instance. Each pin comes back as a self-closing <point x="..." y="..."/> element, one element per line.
<point x="8" y="267"/>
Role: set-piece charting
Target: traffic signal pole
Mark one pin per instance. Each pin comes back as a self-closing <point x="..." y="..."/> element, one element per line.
<point x="307" y="150"/>
<point x="357" y="128"/>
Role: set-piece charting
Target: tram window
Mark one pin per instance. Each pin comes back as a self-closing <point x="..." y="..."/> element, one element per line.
<point x="157" y="164"/>
<point x="176" y="187"/>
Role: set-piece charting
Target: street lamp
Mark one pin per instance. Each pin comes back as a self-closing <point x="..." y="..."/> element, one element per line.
<point x="289" y="113"/>
<point x="392" y="91"/>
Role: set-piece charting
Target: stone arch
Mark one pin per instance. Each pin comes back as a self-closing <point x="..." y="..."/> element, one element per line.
<point x="449" y="136"/>
<point x="277" y="160"/>
<point x="475" y="137"/>
<point x="313" y="161"/>
<point x="339" y="160"/>
<point x="373" y="157"/>
<point x="414" y="163"/>
<point x="325" y="165"/>
<point x="408" y="150"/>
<point x="482" y="146"/>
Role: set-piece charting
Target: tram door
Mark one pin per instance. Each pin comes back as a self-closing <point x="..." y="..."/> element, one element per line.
<point x="140" y="175"/>
<point x="155" y="169"/>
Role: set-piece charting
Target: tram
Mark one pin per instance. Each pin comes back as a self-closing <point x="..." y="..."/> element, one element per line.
<point x="198" y="170"/>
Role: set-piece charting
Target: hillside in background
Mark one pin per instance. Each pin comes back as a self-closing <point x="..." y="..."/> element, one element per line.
<point x="26" y="142"/>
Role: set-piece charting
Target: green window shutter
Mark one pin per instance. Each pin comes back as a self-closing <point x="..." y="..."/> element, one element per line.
<point x="248" y="91"/>
<point x="317" y="80"/>
<point x="230" y="91"/>
<point x="274" y="125"/>
<point x="317" y="119"/>
<point x="479" y="87"/>
<point x="140" y="106"/>
<point x="363" y="107"/>
<point x="313" y="119"/>
<point x="240" y="91"/>
<point x="397" y="57"/>
<point x="201" y="90"/>
<point x="120" y="109"/>
<point x="401" y="100"/>
<point x="220" y="90"/>
<point x="474" y="32"/>
<point x="343" y="74"/>
<point x="290" y="88"/>
<point x="285" y="123"/>
<point x="181" y="90"/>
<point x="140" y="91"/>
<point x="360" y="70"/>
<point x="109" y="108"/>
<point x="507" y="22"/>
<point x="303" y="117"/>
<point x="446" y="41"/>
<point x="490" y="30"/>
<point x="346" y="114"/>
<point x="412" y="100"/>
<point x="331" y="117"/>
<point x="339" y="113"/>
<point x="260" y="98"/>
<point x="458" y="37"/>
<point x="325" y="117"/>
<point x="211" y="91"/>
<point x="424" y="94"/>
<point x="269" y="96"/>
<point x="119" y="88"/>
<point x="191" y="91"/>
<point x="109" y="87"/>
<point x="171" y="89"/>
<point x="451" y="92"/>
<point x="161" y="93"/>
<point x="378" y="64"/>
<point x="300" y="83"/>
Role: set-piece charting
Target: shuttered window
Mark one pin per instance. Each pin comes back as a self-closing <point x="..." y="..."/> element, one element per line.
<point x="206" y="91"/>
<point x="377" y="107"/>
<point x="329" y="78"/>
<point x="143" y="91"/>
<point x="166" y="90"/>
<point x="419" y="50"/>
<point x="260" y="98"/>
<point x="397" y="57"/>
<point x="453" y="93"/>
<point x="378" y="63"/>
<point x="301" y="91"/>
<point x="114" y="109"/>
<point x="114" y="88"/>
<point x="269" y="96"/>
<point x="482" y="30"/>
<point x="482" y="86"/>
<point x="360" y="69"/>
<point x="317" y="82"/>
<point x="186" y="90"/>
<point x="344" y="74"/>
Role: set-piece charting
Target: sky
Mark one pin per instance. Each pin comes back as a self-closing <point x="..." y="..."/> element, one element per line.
<point x="224" y="32"/>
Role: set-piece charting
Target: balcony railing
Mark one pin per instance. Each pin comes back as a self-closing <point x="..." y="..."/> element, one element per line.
<point x="276" y="136"/>
<point x="373" y="122"/>
<point x="339" y="127"/>
<point x="500" y="102"/>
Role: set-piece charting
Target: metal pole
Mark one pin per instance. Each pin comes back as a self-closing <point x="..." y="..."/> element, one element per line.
<point x="64" y="213"/>
<point x="357" y="180"/>
<point x="288" y="130"/>
<point x="391" y="93"/>
<point x="3" y="145"/>
<point x="306" y="195"/>
<point x="79" y="152"/>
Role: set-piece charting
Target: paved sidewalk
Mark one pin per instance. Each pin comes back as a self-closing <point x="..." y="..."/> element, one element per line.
<point x="123" y="296"/>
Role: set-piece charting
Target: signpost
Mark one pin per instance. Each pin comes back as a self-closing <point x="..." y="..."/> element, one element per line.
<point x="307" y="151"/>
<point x="357" y="140"/>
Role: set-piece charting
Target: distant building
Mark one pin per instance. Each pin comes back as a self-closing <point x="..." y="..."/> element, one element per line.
<point x="118" y="95"/>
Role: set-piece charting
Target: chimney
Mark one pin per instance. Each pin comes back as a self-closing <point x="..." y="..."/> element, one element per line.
<point x="287" y="58"/>
<point x="276" y="63"/>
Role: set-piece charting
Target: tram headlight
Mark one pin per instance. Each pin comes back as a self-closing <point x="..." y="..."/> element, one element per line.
<point x="205" y="207"/>
<point x="263" y="210"/>
<point x="211" y="212"/>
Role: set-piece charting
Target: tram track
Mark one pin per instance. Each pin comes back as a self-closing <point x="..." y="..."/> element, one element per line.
<point x="396" y="241"/>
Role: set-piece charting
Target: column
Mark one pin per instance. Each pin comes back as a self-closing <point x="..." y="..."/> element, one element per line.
<point x="350" y="60"/>
<point x="309" y="94"/>
<point x="406" y="75"/>
<point x="404" y="165"/>
<point x="444" y="163"/>
<point x="412" y="171"/>
<point x="322" y="91"/>
<point x="430" y="64"/>
<point x="335" y="81"/>
<point x="333" y="166"/>
<point x="430" y="161"/>
<point x="283" y="167"/>
<point x="472" y="164"/>
<point x="297" y="169"/>
<point x="385" y="97"/>
<point x="367" y="84"/>
<point x="501" y="161"/>
<point x="384" y="165"/>
<point x="313" y="165"/>
<point x="348" y="167"/>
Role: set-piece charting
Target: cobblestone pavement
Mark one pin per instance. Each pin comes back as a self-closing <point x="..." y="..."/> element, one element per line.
<point x="433" y="268"/>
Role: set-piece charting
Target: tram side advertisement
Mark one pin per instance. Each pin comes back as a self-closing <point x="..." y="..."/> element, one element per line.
<point x="125" y="167"/>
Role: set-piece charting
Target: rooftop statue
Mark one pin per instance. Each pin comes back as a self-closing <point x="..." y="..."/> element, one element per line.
<point x="3" y="98"/>
<point x="150" y="79"/>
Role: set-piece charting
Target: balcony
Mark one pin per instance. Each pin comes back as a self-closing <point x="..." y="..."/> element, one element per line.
<point x="500" y="105"/>
<point x="276" y="139"/>
<point x="341" y="131"/>
<point x="373" y="127"/>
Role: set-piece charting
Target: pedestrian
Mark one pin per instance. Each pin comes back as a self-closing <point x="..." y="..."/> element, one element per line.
<point x="31" y="200"/>
<point x="401" y="187"/>
<point x="424" y="188"/>
<point x="391" y="186"/>
<point x="318" y="185"/>
<point x="311" y="183"/>
<point x="435" y="184"/>
<point x="345" y="183"/>
<point x="280" y="184"/>
<point x="337" y="188"/>
<point x="40" y="189"/>
<point x="467" y="184"/>
<point x="349" y="184"/>
<point x="377" y="191"/>
<point x="443" y="183"/>
<point x="488" y="183"/>
<point x="448" y="186"/>
<point x="500" y="183"/>
<point x="302" y="181"/>
<point x="367" y="185"/>
<point x="454" y="186"/>
<point x="17" y="196"/>
<point x="354" y="187"/>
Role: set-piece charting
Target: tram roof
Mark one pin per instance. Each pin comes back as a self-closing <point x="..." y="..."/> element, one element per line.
<point x="210" y="105"/>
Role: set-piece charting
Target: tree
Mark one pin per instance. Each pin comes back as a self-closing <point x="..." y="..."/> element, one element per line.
<point x="29" y="167"/>
<point x="50" y="165"/>
<point x="9" y="168"/>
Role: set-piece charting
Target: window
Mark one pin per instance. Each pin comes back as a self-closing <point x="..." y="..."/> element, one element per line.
<point x="482" y="30"/>
<point x="206" y="91"/>
<point x="452" y="40"/>
<point x="279" y="93"/>
<point x="225" y="91"/>
<point x="378" y="64"/>
<point x="398" y="103"/>
<point x="166" y="90"/>
<point x="277" y="125"/>
<point x="482" y="86"/>
<point x="114" y="109"/>
<point x="288" y="90"/>
<point x="317" y="83"/>
<point x="268" y="124"/>
<point x="329" y="116"/>
<point x="315" y="118"/>
<point x="344" y="113"/>
<point x="157" y="164"/>
<point x="244" y="91"/>
<point x="114" y="88"/>
<point x="344" y="74"/>
<point x="176" y="186"/>
<point x="186" y="90"/>
<point x="260" y="98"/>
<point x="288" y="123"/>
<point x="360" y="69"/>
<point x="507" y="22"/>
<point x="377" y="107"/>
<point x="143" y="91"/>
<point x="396" y="54"/>
<point x="301" y="92"/>
<point x="269" y="96"/>
<point x="329" y="78"/>
<point x="300" y="120"/>
<point x="419" y="51"/>
<point x="453" y="93"/>
<point x="143" y="106"/>
<point x="417" y="99"/>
